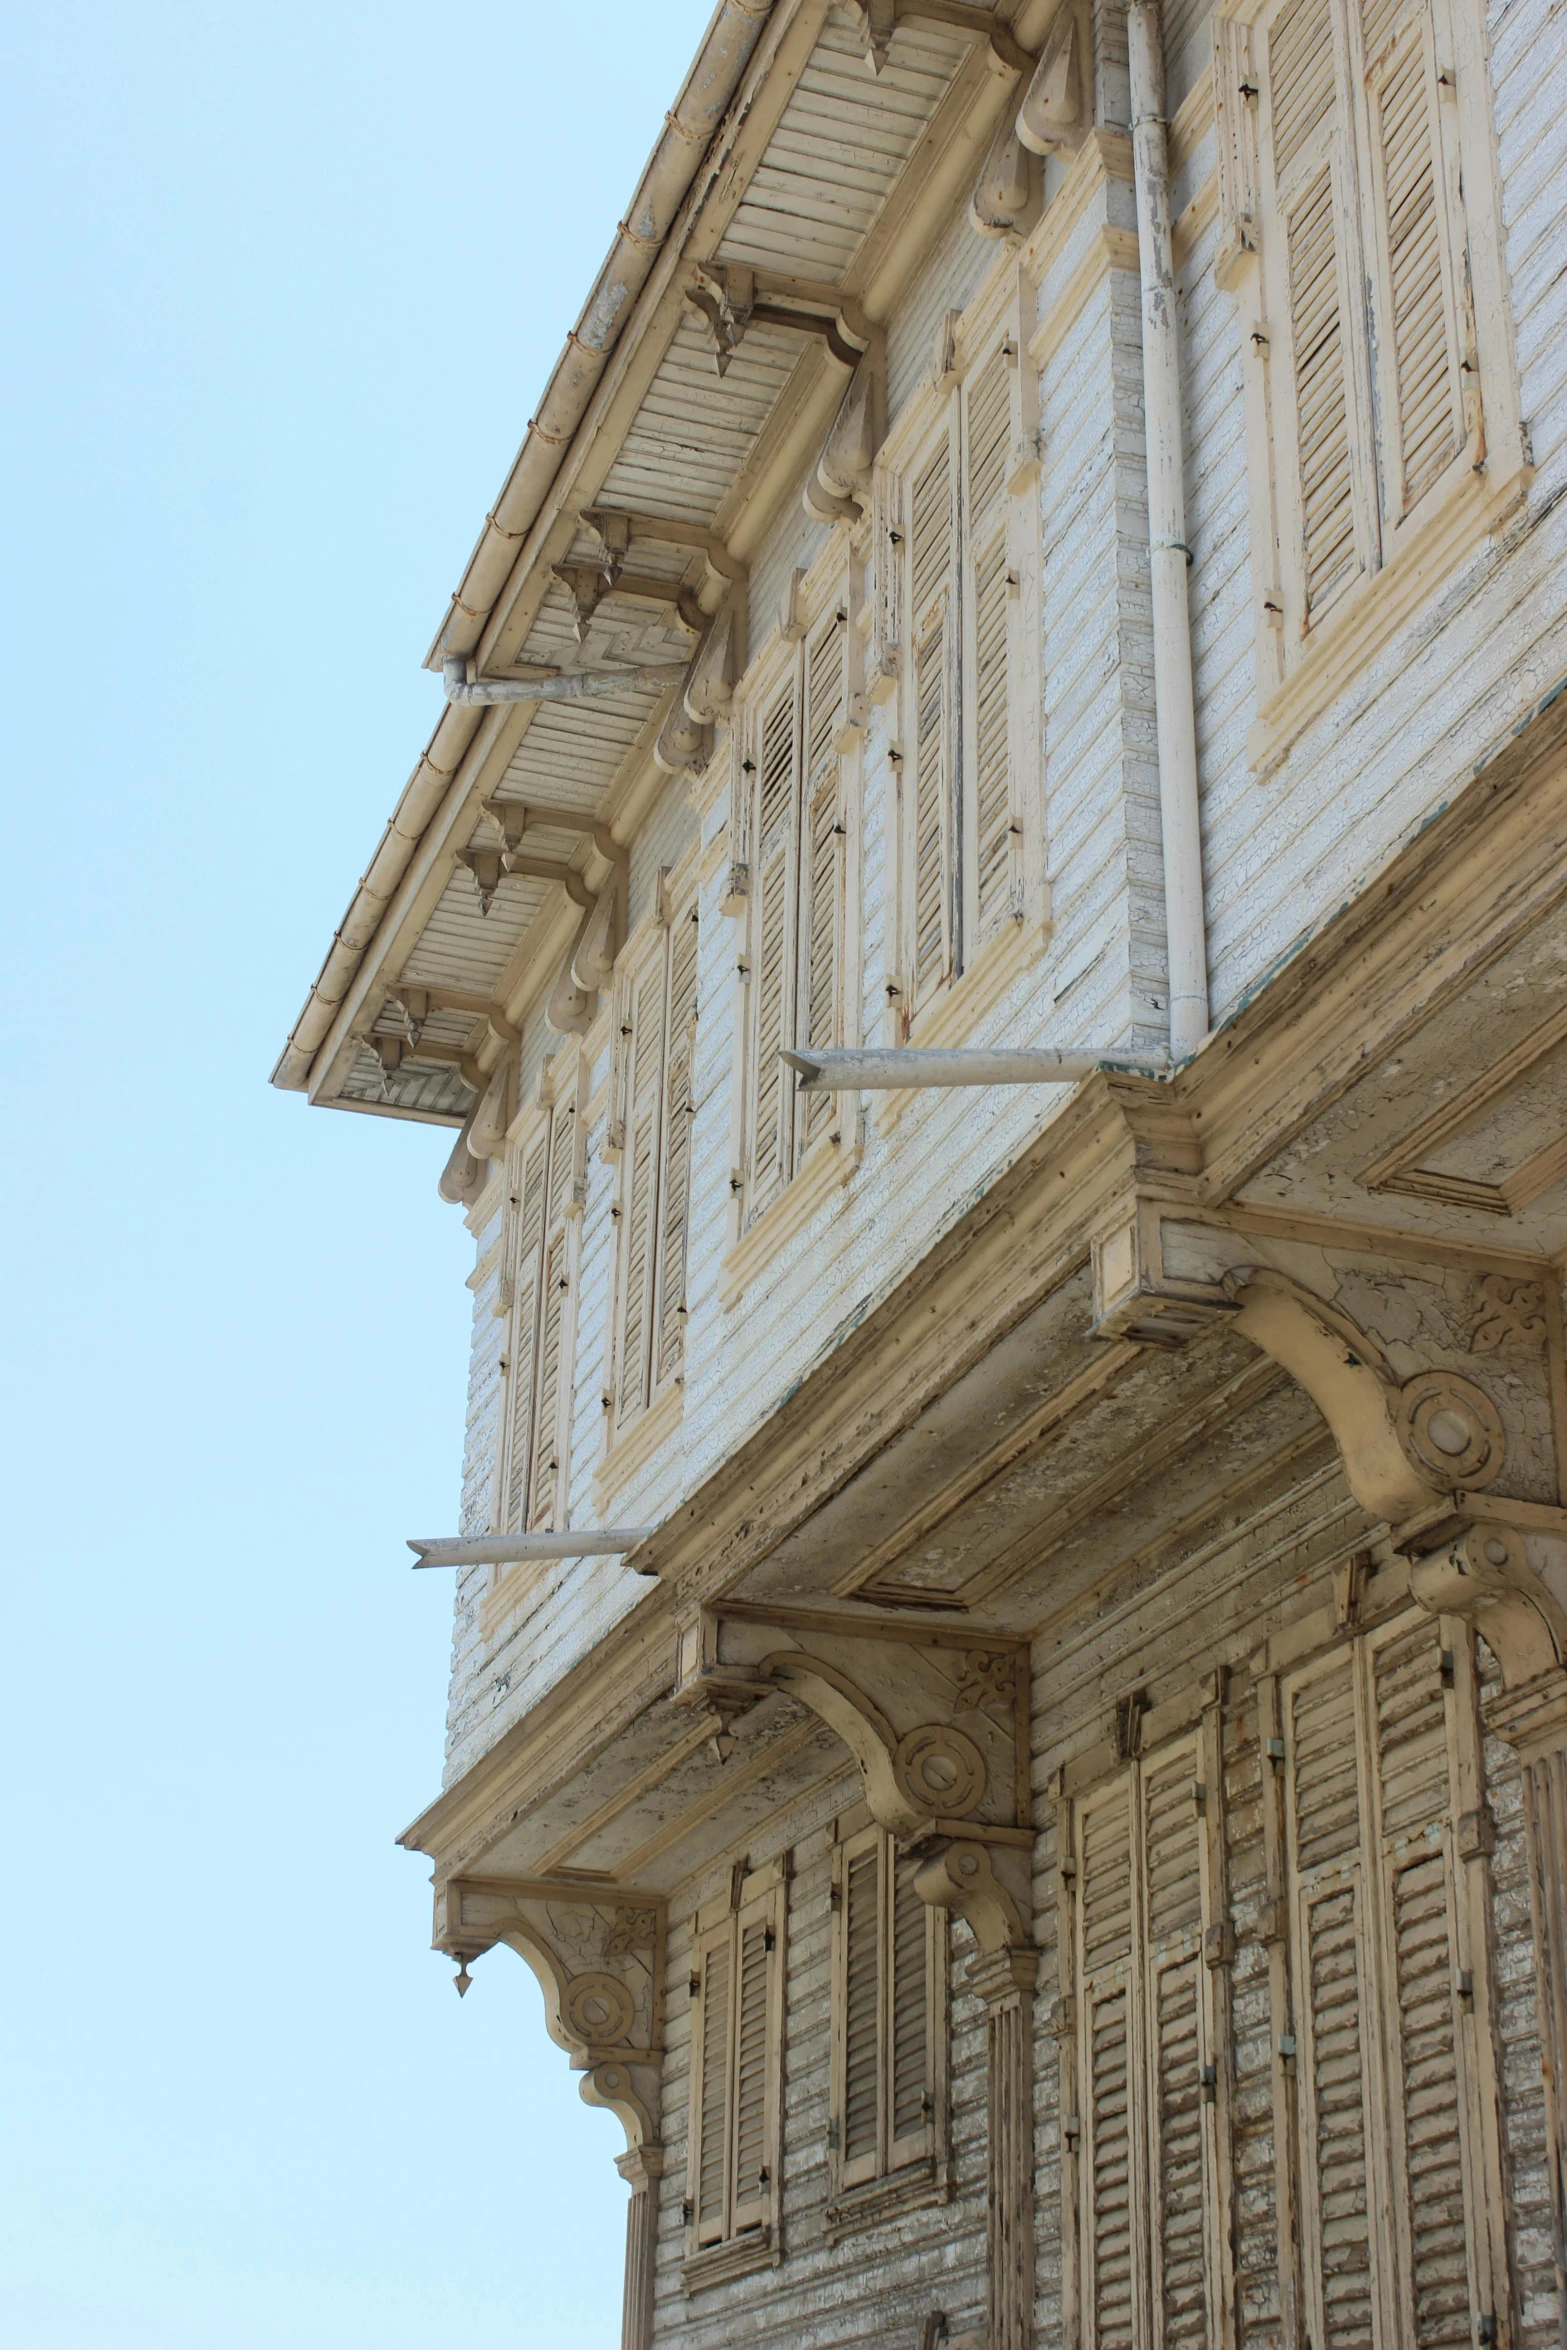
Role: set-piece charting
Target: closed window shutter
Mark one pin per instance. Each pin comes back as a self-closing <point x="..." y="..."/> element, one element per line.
<point x="675" y="1179"/>
<point x="914" y="1928"/>
<point x="1104" y="1975"/>
<point x="860" y="2018"/>
<point x="552" y="1378"/>
<point x="641" y="1161"/>
<point x="753" y="2085"/>
<point x="1322" y="1761"/>
<point x="1421" y="403"/>
<point x="1303" y="113"/>
<point x="822" y="863"/>
<point x="988" y="439"/>
<point x="1414" y="1805"/>
<point x="771" y="1098"/>
<point x="932" y="632"/>
<point x="530" y="1181"/>
<point x="713" y="2102"/>
<point x="1172" y="1881"/>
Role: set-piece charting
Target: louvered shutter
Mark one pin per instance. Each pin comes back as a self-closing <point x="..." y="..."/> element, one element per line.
<point x="713" y="2093"/>
<point x="933" y="665"/>
<point x="1333" y="2040"/>
<point x="772" y="1009"/>
<point x="754" y="2068"/>
<point x="860" y="2014"/>
<point x="552" y="1377"/>
<point x="988" y="435"/>
<point x="821" y="913"/>
<point x="1414" y="1806"/>
<point x="530" y="1190"/>
<point x="1106" y="2069"/>
<point x="639" y="1180"/>
<point x="1420" y="404"/>
<point x="1173" y="2035"/>
<point x="1305" y="234"/>
<point x="915" y="1941"/>
<point x="675" y="1177"/>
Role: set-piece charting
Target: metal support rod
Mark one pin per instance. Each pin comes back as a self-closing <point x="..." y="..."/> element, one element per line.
<point x="507" y="1550"/>
<point x="567" y="685"/>
<point x="843" y="1069"/>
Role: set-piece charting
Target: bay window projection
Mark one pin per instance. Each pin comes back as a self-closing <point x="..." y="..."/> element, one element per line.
<point x="539" y="1252"/>
<point x="792" y="792"/>
<point x="654" y="1069"/>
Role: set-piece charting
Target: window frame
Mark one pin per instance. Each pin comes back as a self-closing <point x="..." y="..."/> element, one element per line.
<point x="551" y="1135"/>
<point x="746" y="2234"/>
<point x="777" y="1129"/>
<point x="901" y="2170"/>
<point x="662" y="956"/>
<point x="976" y="935"/>
<point x="1402" y="549"/>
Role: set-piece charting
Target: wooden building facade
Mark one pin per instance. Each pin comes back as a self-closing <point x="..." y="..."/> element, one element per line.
<point x="1047" y="1823"/>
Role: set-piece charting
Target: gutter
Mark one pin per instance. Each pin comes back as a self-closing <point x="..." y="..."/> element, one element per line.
<point x="705" y="98"/>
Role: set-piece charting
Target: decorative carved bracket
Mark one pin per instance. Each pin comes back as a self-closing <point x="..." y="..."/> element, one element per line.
<point x="936" y="1723"/>
<point x="599" y="1958"/>
<point x="730" y="297"/>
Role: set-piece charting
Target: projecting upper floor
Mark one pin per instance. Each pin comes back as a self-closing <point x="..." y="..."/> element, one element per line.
<point x="822" y="580"/>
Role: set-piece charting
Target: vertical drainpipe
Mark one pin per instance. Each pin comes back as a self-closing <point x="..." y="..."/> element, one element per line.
<point x="1179" y="820"/>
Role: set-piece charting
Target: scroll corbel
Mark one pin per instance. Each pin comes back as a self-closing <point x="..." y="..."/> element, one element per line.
<point x="723" y="295"/>
<point x="1006" y="191"/>
<point x="1053" y="115"/>
<point x="840" y="485"/>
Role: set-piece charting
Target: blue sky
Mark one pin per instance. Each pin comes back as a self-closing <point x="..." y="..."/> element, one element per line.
<point x="282" y="285"/>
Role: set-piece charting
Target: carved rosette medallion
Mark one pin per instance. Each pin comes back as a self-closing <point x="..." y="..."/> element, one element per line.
<point x="599" y="2009"/>
<point x="1450" y="1430"/>
<point x="940" y="1770"/>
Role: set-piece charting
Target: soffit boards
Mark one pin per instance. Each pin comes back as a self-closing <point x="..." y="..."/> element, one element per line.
<point x="841" y="144"/>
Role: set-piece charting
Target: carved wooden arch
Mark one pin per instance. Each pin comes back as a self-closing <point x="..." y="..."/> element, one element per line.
<point x="599" y="1959"/>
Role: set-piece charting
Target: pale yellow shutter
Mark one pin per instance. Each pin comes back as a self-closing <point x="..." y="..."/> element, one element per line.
<point x="675" y="1177"/>
<point x="776" y="813"/>
<point x="754" y="2068"/>
<point x="1425" y="2114"/>
<point x="645" y="1051"/>
<point x="932" y="633"/>
<point x="1413" y="275"/>
<point x="1172" y="1895"/>
<point x="1312" y="355"/>
<point x="1106" y="2066"/>
<point x="859" y="2018"/>
<point x="915" y="1929"/>
<point x="1335" y="2028"/>
<point x="821" y="914"/>
<point x="552" y="1379"/>
<point x="988" y="436"/>
<point x="712" y="2095"/>
<point x="530" y="1183"/>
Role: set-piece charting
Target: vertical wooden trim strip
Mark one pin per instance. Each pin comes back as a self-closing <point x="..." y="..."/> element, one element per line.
<point x="1276" y="1928"/>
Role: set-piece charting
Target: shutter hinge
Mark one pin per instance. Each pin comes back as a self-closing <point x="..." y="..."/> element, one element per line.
<point x="1219" y="1943"/>
<point x="1287" y="2048"/>
<point x="687" y="2212"/>
<point x="1275" y="1750"/>
<point x="1466" y="1986"/>
<point x="1071" y="2131"/>
<point x="1485" y="2327"/>
<point x="694" y="1986"/>
<point x="1273" y="1920"/>
<point x="1449" y="1668"/>
<point x="1210" y="2084"/>
<point x="1063" y="2016"/>
<point x="1199" y="1797"/>
<point x="769" y="1939"/>
<point x="1476" y="1833"/>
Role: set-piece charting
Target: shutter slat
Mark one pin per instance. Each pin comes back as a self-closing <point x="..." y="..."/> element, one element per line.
<point x="989" y="433"/>
<point x="1104" y="1955"/>
<point x="751" y="2083"/>
<point x="1300" y="54"/>
<point x="524" y="1332"/>
<point x="675" y="1179"/>
<point x="1172" y="1925"/>
<point x="992" y="762"/>
<point x="1321" y="403"/>
<point x="544" y="1482"/>
<point x="821" y="916"/>
<point x="911" y="1931"/>
<point x="770" y="1096"/>
<point x="931" y="605"/>
<point x="633" y="1368"/>
<point x="861" y="2033"/>
<point x="1427" y="402"/>
<point x="711" y="2202"/>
